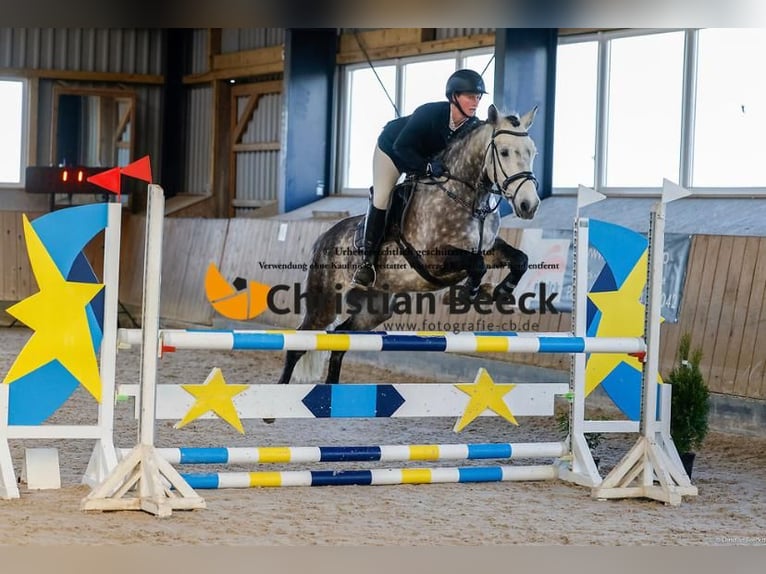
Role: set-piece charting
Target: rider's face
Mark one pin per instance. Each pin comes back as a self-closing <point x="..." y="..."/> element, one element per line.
<point x="468" y="102"/>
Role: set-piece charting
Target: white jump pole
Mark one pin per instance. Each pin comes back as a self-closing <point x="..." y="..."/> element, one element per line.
<point x="104" y="458"/>
<point x="150" y="324"/>
<point x="144" y="473"/>
<point x="581" y="468"/>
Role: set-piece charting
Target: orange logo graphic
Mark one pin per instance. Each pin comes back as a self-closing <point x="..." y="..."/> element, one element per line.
<point x="232" y="300"/>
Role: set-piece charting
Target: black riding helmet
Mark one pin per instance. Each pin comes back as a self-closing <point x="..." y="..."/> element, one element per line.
<point x="465" y="81"/>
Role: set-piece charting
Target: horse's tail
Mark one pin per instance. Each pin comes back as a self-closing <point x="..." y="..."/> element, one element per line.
<point x="310" y="367"/>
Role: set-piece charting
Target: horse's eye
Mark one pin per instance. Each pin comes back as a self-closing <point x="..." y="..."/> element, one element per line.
<point x="504" y="153"/>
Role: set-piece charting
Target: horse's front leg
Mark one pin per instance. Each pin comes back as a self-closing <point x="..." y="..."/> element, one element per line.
<point x="333" y="367"/>
<point x="470" y="263"/>
<point x="504" y="255"/>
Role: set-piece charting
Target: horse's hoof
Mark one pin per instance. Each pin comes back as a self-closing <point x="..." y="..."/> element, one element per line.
<point x="503" y="295"/>
<point x="486" y="290"/>
<point x="359" y="288"/>
<point x="364" y="276"/>
<point x="463" y="296"/>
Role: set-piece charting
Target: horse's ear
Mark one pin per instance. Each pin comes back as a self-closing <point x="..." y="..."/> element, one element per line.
<point x="492" y="114"/>
<point x="528" y="118"/>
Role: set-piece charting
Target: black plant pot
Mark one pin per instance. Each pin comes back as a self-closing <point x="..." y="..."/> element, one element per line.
<point x="687" y="459"/>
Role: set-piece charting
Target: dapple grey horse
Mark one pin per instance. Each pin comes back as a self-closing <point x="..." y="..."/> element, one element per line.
<point x="446" y="234"/>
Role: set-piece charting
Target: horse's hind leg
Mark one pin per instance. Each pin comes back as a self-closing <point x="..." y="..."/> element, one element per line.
<point x="501" y="255"/>
<point x="333" y="369"/>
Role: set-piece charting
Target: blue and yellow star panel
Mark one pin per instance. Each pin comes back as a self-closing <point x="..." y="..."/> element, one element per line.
<point x="65" y="315"/>
<point x="615" y="310"/>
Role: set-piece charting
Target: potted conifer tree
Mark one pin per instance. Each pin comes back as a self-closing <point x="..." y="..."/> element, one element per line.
<point x="690" y="403"/>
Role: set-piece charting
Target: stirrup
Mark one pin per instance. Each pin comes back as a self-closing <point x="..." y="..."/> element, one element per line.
<point x="365" y="275"/>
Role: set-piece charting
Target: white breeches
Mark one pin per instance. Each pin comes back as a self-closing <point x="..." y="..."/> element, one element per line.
<point x="384" y="178"/>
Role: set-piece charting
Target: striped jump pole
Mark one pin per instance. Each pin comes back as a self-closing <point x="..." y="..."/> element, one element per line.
<point x="379" y="453"/>
<point x="235" y="340"/>
<point x="373" y="477"/>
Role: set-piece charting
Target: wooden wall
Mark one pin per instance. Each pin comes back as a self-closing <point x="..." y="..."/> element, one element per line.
<point x="723" y="305"/>
<point x="724" y="309"/>
<point x="189" y="245"/>
<point x="17" y="281"/>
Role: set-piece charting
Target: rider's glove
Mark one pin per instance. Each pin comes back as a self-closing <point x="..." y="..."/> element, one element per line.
<point x="435" y="168"/>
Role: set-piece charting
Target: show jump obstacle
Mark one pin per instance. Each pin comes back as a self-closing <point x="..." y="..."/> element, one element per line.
<point x="145" y="478"/>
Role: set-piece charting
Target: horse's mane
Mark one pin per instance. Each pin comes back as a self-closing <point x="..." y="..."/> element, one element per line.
<point x="466" y="132"/>
<point x="471" y="129"/>
<point x="460" y="138"/>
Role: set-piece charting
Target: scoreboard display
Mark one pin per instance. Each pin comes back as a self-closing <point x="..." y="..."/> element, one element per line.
<point x="69" y="180"/>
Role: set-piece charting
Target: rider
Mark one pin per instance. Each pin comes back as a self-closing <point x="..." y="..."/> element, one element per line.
<point x="408" y="145"/>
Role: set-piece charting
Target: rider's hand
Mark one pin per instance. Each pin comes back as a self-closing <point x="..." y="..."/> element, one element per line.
<point x="435" y="168"/>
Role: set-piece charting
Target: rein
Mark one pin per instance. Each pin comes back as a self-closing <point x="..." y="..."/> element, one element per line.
<point x="470" y="206"/>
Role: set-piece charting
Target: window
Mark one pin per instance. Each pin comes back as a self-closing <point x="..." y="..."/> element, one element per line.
<point x="421" y="85"/>
<point x="406" y="83"/>
<point x="11" y="131"/>
<point x="368" y="111"/>
<point x="644" y="117"/>
<point x="634" y="107"/>
<point x="574" y="142"/>
<point x="730" y="119"/>
<point x="484" y="63"/>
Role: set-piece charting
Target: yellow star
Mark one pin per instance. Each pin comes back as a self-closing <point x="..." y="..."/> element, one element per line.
<point x="485" y="394"/>
<point x="214" y="395"/>
<point x="622" y="315"/>
<point x="57" y="315"/>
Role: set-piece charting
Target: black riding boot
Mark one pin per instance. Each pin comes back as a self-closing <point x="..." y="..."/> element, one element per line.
<point x="374" y="227"/>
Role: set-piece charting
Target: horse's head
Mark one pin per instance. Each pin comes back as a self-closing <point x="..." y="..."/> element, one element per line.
<point x="508" y="161"/>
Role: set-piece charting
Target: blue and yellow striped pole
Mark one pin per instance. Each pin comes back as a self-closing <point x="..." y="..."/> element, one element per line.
<point x="374" y="477"/>
<point x="500" y="342"/>
<point x="382" y="453"/>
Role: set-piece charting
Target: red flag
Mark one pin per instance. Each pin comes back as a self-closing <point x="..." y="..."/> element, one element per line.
<point x="109" y="179"/>
<point x="140" y="169"/>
